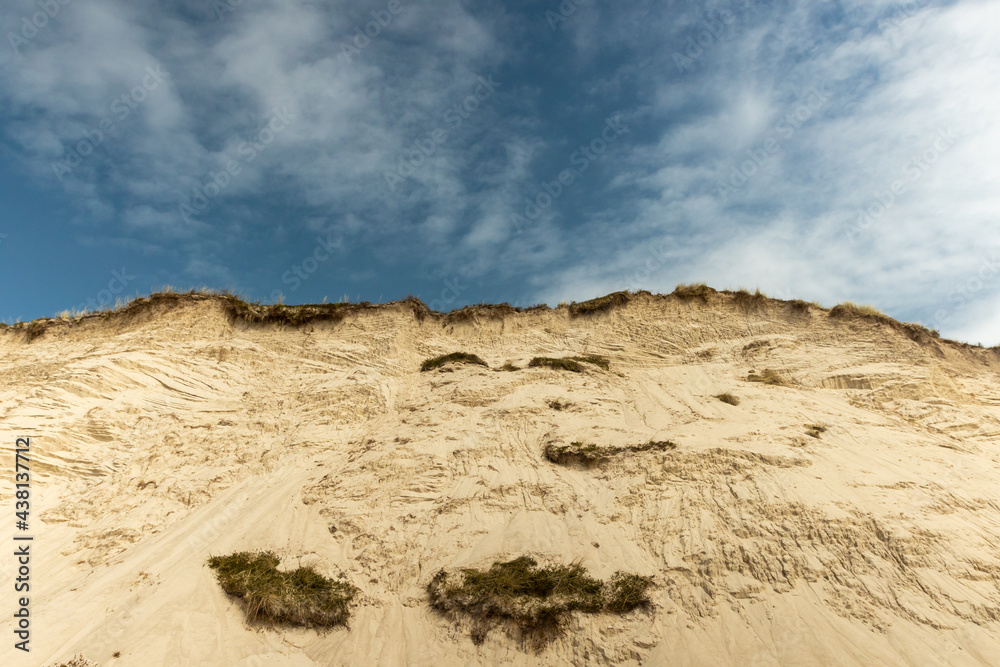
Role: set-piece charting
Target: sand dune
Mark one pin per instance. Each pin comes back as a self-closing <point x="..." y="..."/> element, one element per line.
<point x="172" y="432"/>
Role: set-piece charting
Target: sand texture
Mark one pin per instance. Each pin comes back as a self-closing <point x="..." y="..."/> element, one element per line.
<point x="176" y="432"/>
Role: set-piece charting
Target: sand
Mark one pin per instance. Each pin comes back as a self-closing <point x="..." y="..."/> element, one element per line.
<point x="162" y="438"/>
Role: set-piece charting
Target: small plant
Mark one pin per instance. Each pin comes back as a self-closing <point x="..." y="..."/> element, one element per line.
<point x="556" y="364"/>
<point x="534" y="599"/>
<point x="594" y="359"/>
<point x="728" y="398"/>
<point x="589" y="455"/>
<point x="699" y="291"/>
<point x="850" y="309"/>
<point x="815" y="430"/>
<point x="750" y="302"/>
<point x="36" y="329"/>
<point x="570" y="363"/>
<point x="300" y="597"/>
<point x="509" y="367"/>
<point x="77" y="661"/>
<point x="600" y="304"/>
<point x="454" y="357"/>
<point x="770" y="377"/>
<point x="556" y="404"/>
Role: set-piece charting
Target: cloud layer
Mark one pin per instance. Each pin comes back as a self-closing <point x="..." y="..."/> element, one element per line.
<point x="827" y="152"/>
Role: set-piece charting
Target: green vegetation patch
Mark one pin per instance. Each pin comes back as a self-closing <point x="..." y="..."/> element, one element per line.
<point x="769" y="376"/>
<point x="728" y="398"/>
<point x="534" y="599"/>
<point x="589" y="454"/>
<point x="572" y="364"/>
<point x="300" y="597"/>
<point x="454" y="357"/>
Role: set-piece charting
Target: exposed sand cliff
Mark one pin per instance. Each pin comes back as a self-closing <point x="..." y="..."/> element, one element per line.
<point x="186" y="427"/>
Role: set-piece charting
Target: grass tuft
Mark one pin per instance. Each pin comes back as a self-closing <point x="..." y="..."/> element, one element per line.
<point x="509" y="367"/>
<point x="589" y="455"/>
<point x="600" y="304"/>
<point x="570" y="363"/>
<point x="454" y="357"/>
<point x="534" y="599"/>
<point x="728" y="398"/>
<point x="300" y="597"/>
<point x="699" y="291"/>
<point x="77" y="661"/>
<point x="556" y="404"/>
<point x="815" y="430"/>
<point x="769" y="376"/>
<point x="750" y="302"/>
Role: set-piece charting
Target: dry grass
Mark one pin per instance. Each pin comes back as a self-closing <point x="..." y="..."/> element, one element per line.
<point x="728" y="398"/>
<point x="849" y="309"/>
<point x="750" y="302"/>
<point x="572" y="364"/>
<point x="533" y="599"/>
<point x="915" y="332"/>
<point x="299" y="597"/>
<point x="600" y="304"/>
<point x="509" y="367"/>
<point x="556" y="404"/>
<point x="769" y="376"/>
<point x="77" y="661"/>
<point x="815" y="430"/>
<point x="699" y="291"/>
<point x="482" y="311"/>
<point x="589" y="455"/>
<point x="453" y="358"/>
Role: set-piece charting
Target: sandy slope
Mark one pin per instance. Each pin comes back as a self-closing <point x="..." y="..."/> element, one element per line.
<point x="165" y="438"/>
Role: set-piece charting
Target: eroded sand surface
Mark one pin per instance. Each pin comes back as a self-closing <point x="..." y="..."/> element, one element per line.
<point x="165" y="438"/>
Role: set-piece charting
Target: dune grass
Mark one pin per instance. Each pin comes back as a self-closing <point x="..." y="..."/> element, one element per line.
<point x="748" y="301"/>
<point x="534" y="599"/>
<point x="299" y="597"/>
<point x="600" y="304"/>
<point x="572" y="364"/>
<point x="699" y="291"/>
<point x="454" y="357"/>
<point x="728" y="398"/>
<point x="588" y="454"/>
<point x="815" y="430"/>
<point x="769" y="376"/>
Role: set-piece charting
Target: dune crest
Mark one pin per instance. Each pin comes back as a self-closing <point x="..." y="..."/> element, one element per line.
<point x="840" y="510"/>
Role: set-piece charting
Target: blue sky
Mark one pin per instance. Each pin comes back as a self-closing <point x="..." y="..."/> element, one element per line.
<point x="485" y="151"/>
